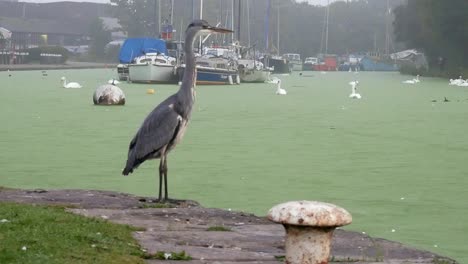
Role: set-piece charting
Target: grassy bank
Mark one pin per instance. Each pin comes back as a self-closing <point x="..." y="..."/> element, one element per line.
<point x="39" y="234"/>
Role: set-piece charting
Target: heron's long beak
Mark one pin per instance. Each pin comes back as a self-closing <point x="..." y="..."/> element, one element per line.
<point x="220" y="30"/>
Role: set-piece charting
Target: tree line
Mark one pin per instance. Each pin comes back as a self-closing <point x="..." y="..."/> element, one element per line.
<point x="440" y="29"/>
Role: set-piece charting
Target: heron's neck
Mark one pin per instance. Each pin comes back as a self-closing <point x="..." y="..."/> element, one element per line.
<point x="188" y="81"/>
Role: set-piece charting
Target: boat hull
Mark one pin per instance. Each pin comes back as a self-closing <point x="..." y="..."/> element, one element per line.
<point x="151" y="73"/>
<point x="308" y="67"/>
<point x="278" y="65"/>
<point x="213" y="76"/>
<point x="376" y="64"/>
<point x="295" y="66"/>
<point x="253" y="75"/>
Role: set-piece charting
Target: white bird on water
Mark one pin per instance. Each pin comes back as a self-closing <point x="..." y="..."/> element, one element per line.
<point x="354" y="94"/>
<point x="279" y="90"/>
<point x="413" y="81"/>
<point x="464" y="83"/>
<point x="456" y="81"/>
<point x="70" y="85"/>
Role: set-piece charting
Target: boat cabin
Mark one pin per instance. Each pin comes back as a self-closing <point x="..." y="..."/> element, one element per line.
<point x="155" y="58"/>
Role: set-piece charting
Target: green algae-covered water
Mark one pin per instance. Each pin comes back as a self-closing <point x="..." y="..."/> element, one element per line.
<point x="395" y="159"/>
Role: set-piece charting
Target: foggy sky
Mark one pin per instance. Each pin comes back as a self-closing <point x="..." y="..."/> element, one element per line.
<point x="314" y="2"/>
<point x="49" y="1"/>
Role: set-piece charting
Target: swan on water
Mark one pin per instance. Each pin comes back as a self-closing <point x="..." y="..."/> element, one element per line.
<point x="354" y="94"/>
<point x="456" y="81"/>
<point x="71" y="84"/>
<point x="413" y="81"/>
<point x="279" y="90"/>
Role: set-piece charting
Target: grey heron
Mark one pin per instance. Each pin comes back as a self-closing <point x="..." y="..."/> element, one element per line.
<point x="165" y="126"/>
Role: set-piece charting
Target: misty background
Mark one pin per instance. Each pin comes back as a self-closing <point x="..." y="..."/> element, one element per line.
<point x="437" y="28"/>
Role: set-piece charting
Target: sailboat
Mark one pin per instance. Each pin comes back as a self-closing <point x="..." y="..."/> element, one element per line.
<point x="216" y="66"/>
<point x="276" y="62"/>
<point x="326" y="61"/>
<point x="375" y="61"/>
<point x="250" y="69"/>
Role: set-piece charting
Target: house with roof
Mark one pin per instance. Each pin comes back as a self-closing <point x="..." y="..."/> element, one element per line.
<point x="62" y="23"/>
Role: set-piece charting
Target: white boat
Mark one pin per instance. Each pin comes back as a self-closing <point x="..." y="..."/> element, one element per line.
<point x="295" y="62"/>
<point x="145" y="60"/>
<point x="153" y="68"/>
<point x="253" y="71"/>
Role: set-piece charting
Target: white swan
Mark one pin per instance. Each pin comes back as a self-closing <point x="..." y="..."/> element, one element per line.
<point x="464" y="83"/>
<point x="456" y="81"/>
<point x="113" y="81"/>
<point x="70" y="85"/>
<point x="279" y="90"/>
<point x="354" y="94"/>
<point x="412" y="81"/>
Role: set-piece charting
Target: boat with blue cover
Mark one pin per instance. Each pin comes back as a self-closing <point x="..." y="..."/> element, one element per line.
<point x="145" y="60"/>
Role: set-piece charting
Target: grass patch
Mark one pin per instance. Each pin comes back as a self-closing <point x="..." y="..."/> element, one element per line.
<point x="40" y="234"/>
<point x="161" y="255"/>
<point x="442" y="261"/>
<point x="219" y="228"/>
<point x="4" y="189"/>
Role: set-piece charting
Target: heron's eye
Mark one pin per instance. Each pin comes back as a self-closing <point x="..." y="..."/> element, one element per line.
<point x="191" y="25"/>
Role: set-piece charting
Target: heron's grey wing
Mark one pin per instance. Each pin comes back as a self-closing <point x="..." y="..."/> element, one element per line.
<point x="157" y="131"/>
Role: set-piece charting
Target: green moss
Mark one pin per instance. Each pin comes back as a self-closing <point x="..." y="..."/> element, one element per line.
<point x="161" y="255"/>
<point x="40" y="234"/>
<point x="218" y="228"/>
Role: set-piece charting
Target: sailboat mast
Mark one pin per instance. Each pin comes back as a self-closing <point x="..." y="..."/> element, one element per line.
<point x="326" y="32"/>
<point x="232" y="20"/>
<point x="239" y="21"/>
<point x="277" y="30"/>
<point x="201" y="9"/>
<point x="201" y="17"/>
<point x="172" y="12"/>
<point x="248" y="22"/>
<point x="159" y="17"/>
<point x="267" y="25"/>
<point x="387" y="29"/>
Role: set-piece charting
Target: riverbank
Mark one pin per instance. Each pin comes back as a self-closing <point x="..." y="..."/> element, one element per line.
<point x="68" y="65"/>
<point x="185" y="225"/>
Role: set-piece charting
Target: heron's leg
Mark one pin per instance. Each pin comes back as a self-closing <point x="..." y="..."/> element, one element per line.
<point x="161" y="172"/>
<point x="165" y="178"/>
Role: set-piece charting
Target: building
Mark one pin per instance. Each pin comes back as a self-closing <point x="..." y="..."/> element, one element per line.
<point x="60" y="23"/>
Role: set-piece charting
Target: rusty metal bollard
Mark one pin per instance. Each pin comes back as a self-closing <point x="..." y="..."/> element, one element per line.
<point x="309" y="229"/>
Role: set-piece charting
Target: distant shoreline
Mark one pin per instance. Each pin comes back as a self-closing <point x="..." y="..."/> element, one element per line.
<point x="69" y="65"/>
